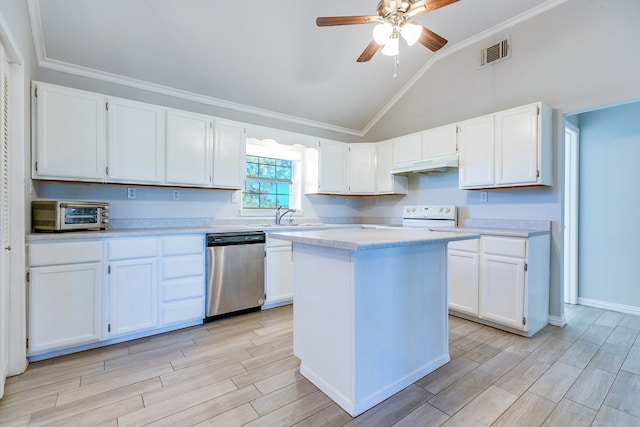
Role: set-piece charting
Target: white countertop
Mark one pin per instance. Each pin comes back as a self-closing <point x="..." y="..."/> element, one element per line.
<point x="371" y="238"/>
<point x="492" y="231"/>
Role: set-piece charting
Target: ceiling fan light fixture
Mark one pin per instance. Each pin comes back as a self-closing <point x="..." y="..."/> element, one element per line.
<point x="392" y="47"/>
<point x="382" y="33"/>
<point x="411" y="33"/>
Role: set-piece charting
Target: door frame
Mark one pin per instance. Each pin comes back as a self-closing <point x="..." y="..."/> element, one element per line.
<point x="570" y="215"/>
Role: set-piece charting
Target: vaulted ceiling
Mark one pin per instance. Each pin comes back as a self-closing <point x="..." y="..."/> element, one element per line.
<point x="256" y="56"/>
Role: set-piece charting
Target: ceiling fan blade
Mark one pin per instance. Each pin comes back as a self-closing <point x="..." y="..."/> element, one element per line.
<point x="368" y="52"/>
<point x="424" y="6"/>
<point x="328" y="21"/>
<point x="431" y="40"/>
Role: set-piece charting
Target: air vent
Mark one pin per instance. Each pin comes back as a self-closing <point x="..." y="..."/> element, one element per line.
<point x="495" y="53"/>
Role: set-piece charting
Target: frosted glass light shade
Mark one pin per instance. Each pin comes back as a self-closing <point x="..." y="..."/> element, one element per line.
<point x="411" y="33"/>
<point x="382" y="32"/>
<point x="391" y="48"/>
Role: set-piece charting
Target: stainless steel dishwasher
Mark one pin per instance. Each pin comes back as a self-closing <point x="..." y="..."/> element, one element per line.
<point x="235" y="273"/>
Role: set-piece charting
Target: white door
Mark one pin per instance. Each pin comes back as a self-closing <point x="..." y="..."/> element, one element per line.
<point x="463" y="281"/>
<point x="5" y="240"/>
<point x="362" y="168"/>
<point x="188" y="149"/>
<point x="503" y="283"/>
<point x="476" y="151"/>
<point x="517" y="145"/>
<point x="70" y="134"/>
<point x="228" y="155"/>
<point x="135" y="142"/>
<point x="332" y="169"/>
<point x="133" y="296"/>
<point x="65" y="306"/>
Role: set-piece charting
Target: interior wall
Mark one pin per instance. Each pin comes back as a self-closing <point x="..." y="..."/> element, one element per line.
<point x="609" y="149"/>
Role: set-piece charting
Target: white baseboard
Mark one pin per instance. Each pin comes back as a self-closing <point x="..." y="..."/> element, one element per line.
<point x="606" y="305"/>
<point x="557" y="321"/>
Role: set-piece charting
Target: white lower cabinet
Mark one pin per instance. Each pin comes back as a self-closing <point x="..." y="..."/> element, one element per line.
<point x="463" y="275"/>
<point x="132" y="285"/>
<point x="151" y="285"/>
<point x="503" y="283"/>
<point x="65" y="295"/>
<point x="278" y="275"/>
<point x="182" y="275"/>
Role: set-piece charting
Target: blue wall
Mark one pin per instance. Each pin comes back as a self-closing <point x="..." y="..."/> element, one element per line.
<point x="609" y="205"/>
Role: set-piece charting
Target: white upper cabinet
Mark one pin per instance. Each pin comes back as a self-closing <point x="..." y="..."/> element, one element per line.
<point x="507" y="149"/>
<point x="69" y="127"/>
<point x="228" y="155"/>
<point x="407" y="150"/>
<point x="439" y="142"/>
<point x="135" y="142"/>
<point x="386" y="182"/>
<point x="362" y="168"/>
<point x="476" y="144"/>
<point x="332" y="167"/>
<point x="188" y="149"/>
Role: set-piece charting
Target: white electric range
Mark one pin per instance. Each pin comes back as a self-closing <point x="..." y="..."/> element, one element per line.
<point x="429" y="216"/>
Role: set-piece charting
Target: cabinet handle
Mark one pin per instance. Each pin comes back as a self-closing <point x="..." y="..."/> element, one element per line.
<point x="8" y="247"/>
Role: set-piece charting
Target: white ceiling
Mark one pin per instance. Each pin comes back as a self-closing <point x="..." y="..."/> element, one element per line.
<point x="264" y="57"/>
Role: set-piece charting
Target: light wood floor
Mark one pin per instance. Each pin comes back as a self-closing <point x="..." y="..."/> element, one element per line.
<point x="241" y="371"/>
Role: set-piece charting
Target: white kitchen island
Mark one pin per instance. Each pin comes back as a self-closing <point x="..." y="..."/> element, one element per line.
<point x="370" y="309"/>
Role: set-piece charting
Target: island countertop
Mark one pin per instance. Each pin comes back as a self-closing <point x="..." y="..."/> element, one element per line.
<point x="371" y="238"/>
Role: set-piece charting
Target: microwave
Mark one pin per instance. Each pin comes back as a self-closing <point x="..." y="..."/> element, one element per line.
<point x="54" y="215"/>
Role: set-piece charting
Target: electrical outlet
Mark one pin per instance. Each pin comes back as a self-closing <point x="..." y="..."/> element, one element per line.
<point x="131" y="193"/>
<point x="176" y="194"/>
<point x="484" y="196"/>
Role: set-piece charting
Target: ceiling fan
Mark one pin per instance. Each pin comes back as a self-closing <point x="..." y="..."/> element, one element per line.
<point x="394" y="19"/>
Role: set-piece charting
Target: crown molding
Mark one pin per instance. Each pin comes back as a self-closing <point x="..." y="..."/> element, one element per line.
<point x="91" y="73"/>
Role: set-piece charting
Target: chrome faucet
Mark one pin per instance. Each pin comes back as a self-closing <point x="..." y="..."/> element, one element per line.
<point x="279" y="216"/>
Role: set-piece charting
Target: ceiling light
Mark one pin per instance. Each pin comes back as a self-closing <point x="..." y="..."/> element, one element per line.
<point x="410" y="33"/>
<point x="392" y="47"/>
<point x="382" y="33"/>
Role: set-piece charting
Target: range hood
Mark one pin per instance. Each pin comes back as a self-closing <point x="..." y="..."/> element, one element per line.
<point x="427" y="166"/>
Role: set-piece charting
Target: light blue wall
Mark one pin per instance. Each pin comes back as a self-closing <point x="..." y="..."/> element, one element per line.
<point x="609" y="205"/>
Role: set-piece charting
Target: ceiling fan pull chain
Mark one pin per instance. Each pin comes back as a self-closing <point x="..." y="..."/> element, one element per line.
<point x="396" y="64"/>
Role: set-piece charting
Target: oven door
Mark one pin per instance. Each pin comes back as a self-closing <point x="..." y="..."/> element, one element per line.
<point x="80" y="217"/>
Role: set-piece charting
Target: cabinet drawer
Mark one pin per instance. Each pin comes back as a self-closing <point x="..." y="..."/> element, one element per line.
<point x="183" y="266"/>
<point x="174" y="290"/>
<point x="504" y="246"/>
<point x="182" y="245"/>
<point x="465" y="245"/>
<point x="133" y="248"/>
<point x="182" y="312"/>
<point x="64" y="253"/>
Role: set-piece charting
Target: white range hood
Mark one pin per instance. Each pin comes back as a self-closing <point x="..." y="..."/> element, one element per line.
<point x="426" y="166"/>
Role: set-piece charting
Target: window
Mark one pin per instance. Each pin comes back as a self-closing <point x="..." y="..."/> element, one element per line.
<point x="268" y="183"/>
<point x="273" y="177"/>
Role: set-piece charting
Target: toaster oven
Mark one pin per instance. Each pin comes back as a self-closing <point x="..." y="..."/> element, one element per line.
<point x="54" y="215"/>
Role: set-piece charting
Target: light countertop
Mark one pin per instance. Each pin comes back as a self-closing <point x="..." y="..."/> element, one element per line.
<point x="493" y="231"/>
<point x="371" y="238"/>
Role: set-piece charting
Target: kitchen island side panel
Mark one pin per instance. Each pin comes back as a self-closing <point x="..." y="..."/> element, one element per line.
<point x="369" y="323"/>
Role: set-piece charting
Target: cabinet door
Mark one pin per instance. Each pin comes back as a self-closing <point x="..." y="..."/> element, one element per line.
<point x="386" y="182"/>
<point x="503" y="284"/>
<point x="228" y="155"/>
<point x="407" y="149"/>
<point x="279" y="274"/>
<point x="476" y="151"/>
<point x="332" y="167"/>
<point x="70" y="134"/>
<point x="65" y="306"/>
<point x="362" y="168"/>
<point x="133" y="296"/>
<point x="188" y="149"/>
<point x="135" y="142"/>
<point x="440" y="141"/>
<point x="517" y="146"/>
<point x="463" y="281"/>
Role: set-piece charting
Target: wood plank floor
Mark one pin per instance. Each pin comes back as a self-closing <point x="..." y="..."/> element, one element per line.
<point x="241" y="371"/>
